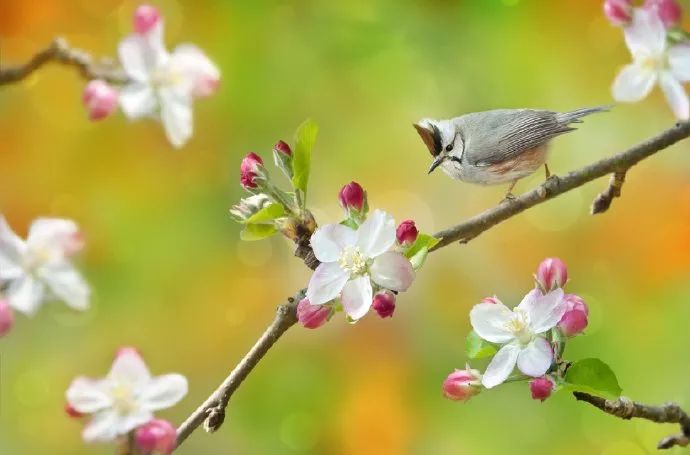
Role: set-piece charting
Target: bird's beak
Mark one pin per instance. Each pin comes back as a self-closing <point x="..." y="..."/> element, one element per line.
<point x="436" y="163"/>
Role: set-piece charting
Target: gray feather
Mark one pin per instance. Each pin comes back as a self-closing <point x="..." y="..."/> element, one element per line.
<point x="495" y="136"/>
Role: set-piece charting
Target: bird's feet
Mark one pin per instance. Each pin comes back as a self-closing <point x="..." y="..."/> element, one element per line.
<point x="508" y="199"/>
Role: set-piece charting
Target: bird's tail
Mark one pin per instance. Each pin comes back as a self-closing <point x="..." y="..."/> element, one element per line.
<point x="574" y="116"/>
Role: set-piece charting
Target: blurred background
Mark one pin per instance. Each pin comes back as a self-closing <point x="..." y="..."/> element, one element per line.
<point x="171" y="277"/>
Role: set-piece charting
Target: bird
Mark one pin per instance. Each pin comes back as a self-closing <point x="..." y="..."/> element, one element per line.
<point x="497" y="146"/>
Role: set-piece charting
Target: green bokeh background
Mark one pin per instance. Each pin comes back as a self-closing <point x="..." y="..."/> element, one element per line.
<point x="171" y="277"/>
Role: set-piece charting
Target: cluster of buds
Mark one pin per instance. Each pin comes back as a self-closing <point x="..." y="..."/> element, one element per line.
<point x="552" y="274"/>
<point x="620" y="12"/>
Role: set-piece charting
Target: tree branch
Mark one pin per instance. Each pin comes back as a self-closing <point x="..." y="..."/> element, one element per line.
<point x="60" y="52"/>
<point x="625" y="408"/>
<point x="603" y="201"/>
<point x="212" y="411"/>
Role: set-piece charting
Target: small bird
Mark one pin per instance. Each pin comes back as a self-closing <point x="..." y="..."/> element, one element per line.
<point x="498" y="146"/>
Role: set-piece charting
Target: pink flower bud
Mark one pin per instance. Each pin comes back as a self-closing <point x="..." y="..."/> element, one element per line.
<point x="492" y="300"/>
<point x="70" y="411"/>
<point x="6" y="317"/>
<point x="384" y="304"/>
<point x="283" y="147"/>
<point x="669" y="11"/>
<point x="312" y="316"/>
<point x="249" y="170"/>
<point x="552" y="273"/>
<point x="406" y="233"/>
<point x="145" y="18"/>
<point x="352" y="196"/>
<point x="618" y="12"/>
<point x="541" y="388"/>
<point x="574" y="320"/>
<point x="461" y="385"/>
<point x="100" y="99"/>
<point x="157" y="436"/>
<point x="127" y="350"/>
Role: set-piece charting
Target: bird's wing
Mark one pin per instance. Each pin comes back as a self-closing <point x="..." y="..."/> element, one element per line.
<point x="497" y="136"/>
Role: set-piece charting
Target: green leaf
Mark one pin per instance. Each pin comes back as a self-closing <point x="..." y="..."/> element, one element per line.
<point x="301" y="158"/>
<point x="253" y="232"/>
<point x="267" y="214"/>
<point x="478" y="348"/>
<point x="593" y="376"/>
<point x="420" y="248"/>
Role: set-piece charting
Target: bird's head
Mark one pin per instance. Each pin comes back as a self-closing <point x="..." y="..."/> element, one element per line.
<point x="441" y="139"/>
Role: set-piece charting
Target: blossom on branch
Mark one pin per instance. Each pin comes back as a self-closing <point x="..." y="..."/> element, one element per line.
<point x="125" y="399"/>
<point x="39" y="268"/>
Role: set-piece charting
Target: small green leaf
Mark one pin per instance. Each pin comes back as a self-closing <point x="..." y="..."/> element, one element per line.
<point x="301" y="158"/>
<point x="478" y="348"/>
<point x="418" y="259"/>
<point x="267" y="214"/>
<point x="423" y="241"/>
<point x="594" y="376"/>
<point x="253" y="232"/>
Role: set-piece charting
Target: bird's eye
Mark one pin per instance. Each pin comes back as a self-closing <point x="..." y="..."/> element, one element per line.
<point x="449" y="147"/>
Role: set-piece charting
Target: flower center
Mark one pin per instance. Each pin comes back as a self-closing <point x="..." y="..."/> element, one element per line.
<point x="165" y="77"/>
<point x="36" y="257"/>
<point x="518" y="325"/>
<point x="123" y="398"/>
<point x="353" y="261"/>
<point x="653" y="63"/>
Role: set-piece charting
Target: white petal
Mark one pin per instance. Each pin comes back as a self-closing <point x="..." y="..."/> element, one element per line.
<point x="376" y="234"/>
<point x="132" y="420"/>
<point x="176" y="114"/>
<point x="501" y="366"/>
<point x="329" y="241"/>
<point x="326" y="283"/>
<point x="633" y="83"/>
<point x="489" y="322"/>
<point x="140" y="56"/>
<point x="543" y="311"/>
<point x="129" y="368"/>
<point x="646" y="35"/>
<point x="675" y="95"/>
<point x="137" y="100"/>
<point x="102" y="427"/>
<point x="26" y="294"/>
<point x="392" y="271"/>
<point x="357" y="297"/>
<point x="194" y="66"/>
<point x="12" y="249"/>
<point x="679" y="61"/>
<point x="163" y="392"/>
<point x="67" y="284"/>
<point x="536" y="358"/>
<point x="88" y="395"/>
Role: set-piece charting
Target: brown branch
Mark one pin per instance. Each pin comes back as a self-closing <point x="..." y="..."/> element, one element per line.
<point x="212" y="411"/>
<point x="60" y="52"/>
<point x="603" y="201"/>
<point x="625" y="408"/>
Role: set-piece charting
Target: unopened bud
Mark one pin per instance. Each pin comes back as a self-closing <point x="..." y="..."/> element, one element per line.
<point x="282" y="156"/>
<point x="552" y="273"/>
<point x="157" y="436"/>
<point x="70" y="411"/>
<point x="541" y="388"/>
<point x="461" y="385"/>
<point x="283" y="147"/>
<point x="6" y="317"/>
<point x="250" y="170"/>
<point x="575" y="318"/>
<point x="669" y="11"/>
<point x="312" y="316"/>
<point x="145" y="18"/>
<point x="352" y="197"/>
<point x="384" y="304"/>
<point x="618" y="12"/>
<point x="492" y="300"/>
<point x="100" y="99"/>
<point x="406" y="233"/>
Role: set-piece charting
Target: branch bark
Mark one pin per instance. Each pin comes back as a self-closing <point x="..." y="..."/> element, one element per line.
<point x="603" y="201"/>
<point x="625" y="408"/>
<point x="60" y="52"/>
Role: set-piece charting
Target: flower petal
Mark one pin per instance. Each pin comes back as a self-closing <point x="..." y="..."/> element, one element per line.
<point x="675" y="95"/>
<point x="646" y="35"/>
<point x="26" y="294"/>
<point x="132" y="420"/>
<point x="67" y="284"/>
<point x="501" y="366"/>
<point x="141" y="55"/>
<point x="176" y="114"/>
<point x="357" y="297"/>
<point x="679" y="61"/>
<point x="330" y="240"/>
<point x="137" y="100"/>
<point x="392" y="271"/>
<point x="102" y="427"/>
<point x="163" y="392"/>
<point x="489" y="322"/>
<point x="326" y="283"/>
<point x="376" y="234"/>
<point x="633" y="83"/>
<point x="12" y="249"/>
<point x="88" y="395"/>
<point x="543" y="311"/>
<point x="130" y="368"/>
<point x="536" y="358"/>
<point x="198" y="71"/>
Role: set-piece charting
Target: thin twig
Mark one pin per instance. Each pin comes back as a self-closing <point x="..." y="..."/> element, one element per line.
<point x="625" y="408"/>
<point x="213" y="409"/>
<point x="60" y="52"/>
<point x="603" y="201"/>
